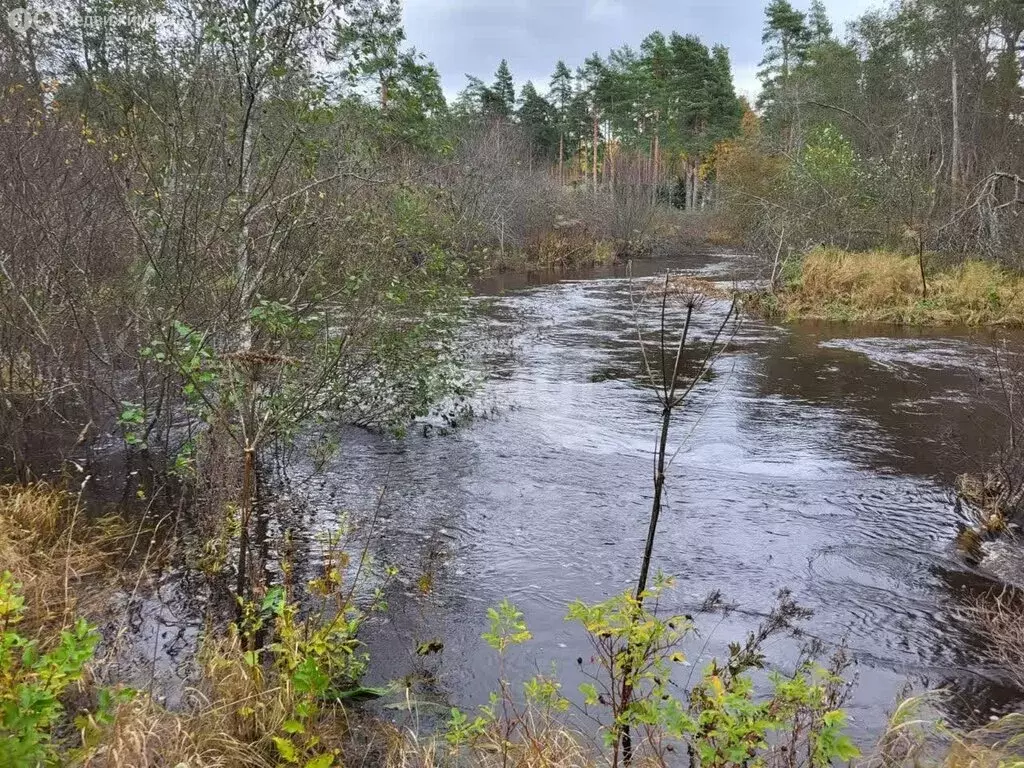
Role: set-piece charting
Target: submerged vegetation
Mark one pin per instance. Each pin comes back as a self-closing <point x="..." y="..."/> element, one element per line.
<point x="994" y="495"/>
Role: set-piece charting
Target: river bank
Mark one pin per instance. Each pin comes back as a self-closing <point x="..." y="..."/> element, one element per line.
<point x="887" y="287"/>
<point x="607" y="236"/>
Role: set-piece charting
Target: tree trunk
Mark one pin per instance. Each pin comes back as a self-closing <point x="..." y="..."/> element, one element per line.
<point x="693" y="185"/>
<point x="248" y="279"/>
<point x="954" y="172"/>
<point x="561" y="157"/>
<point x="611" y="169"/>
<point x="245" y="513"/>
<point x="604" y="162"/>
<point x="689" y="188"/>
<point x="594" y="168"/>
<point x="655" y="151"/>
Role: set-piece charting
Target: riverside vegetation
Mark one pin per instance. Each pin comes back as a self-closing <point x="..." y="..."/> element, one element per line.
<point x="887" y="287"/>
<point x="882" y="180"/>
<point x="899" y="142"/>
<point x="227" y="229"/>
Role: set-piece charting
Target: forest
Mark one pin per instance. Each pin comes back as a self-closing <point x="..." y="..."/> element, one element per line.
<point x="251" y="351"/>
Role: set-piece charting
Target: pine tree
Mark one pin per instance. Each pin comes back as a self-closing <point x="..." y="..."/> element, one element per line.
<point x="820" y="28"/>
<point x="623" y="92"/>
<point x="786" y="38"/>
<point x="371" y="43"/>
<point x="592" y="81"/>
<point x="726" y="108"/>
<point x="469" y="102"/>
<point x="536" y="116"/>
<point x="561" y="93"/>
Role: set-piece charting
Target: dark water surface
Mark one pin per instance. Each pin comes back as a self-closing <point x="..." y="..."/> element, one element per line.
<point x="818" y="458"/>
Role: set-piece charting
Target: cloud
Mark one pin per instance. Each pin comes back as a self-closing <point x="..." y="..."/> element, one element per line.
<point x="746" y="82"/>
<point x="472" y="36"/>
<point x="605" y="10"/>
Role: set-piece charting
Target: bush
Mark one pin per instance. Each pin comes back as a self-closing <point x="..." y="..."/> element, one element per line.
<point x="721" y="720"/>
<point x="33" y="678"/>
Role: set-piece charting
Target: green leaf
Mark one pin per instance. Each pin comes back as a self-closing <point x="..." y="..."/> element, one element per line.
<point x="321" y="761"/>
<point x="360" y="694"/>
<point x="845" y="749"/>
<point x="273" y="601"/>
<point x="589" y="693"/>
<point x="286" y="749"/>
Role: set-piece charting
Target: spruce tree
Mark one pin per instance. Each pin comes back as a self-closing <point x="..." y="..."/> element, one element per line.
<point x="504" y="90"/>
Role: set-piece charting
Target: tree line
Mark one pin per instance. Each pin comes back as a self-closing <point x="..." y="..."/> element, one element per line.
<point x="222" y="223"/>
<point x="636" y="117"/>
<point x="908" y="129"/>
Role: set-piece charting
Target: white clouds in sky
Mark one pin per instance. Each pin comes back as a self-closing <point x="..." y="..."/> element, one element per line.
<point x="472" y="36"/>
<point x="605" y="10"/>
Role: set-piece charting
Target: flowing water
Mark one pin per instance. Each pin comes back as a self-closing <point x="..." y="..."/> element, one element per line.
<point x="817" y="458"/>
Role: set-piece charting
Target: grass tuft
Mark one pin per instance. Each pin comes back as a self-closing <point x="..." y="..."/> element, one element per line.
<point x="882" y="286"/>
<point x="919" y="737"/>
<point x="50" y="549"/>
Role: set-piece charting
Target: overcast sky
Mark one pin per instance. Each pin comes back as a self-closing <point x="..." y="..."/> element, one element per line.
<point x="471" y="36"/>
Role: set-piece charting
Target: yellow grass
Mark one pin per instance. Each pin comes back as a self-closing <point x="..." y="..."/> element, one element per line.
<point x="919" y="737"/>
<point x="50" y="549"/>
<point x="211" y="733"/>
<point x="568" y="248"/>
<point x="886" y="287"/>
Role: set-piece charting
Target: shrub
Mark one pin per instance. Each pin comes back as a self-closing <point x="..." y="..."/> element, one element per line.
<point x="721" y="720"/>
<point x="33" y="678"/>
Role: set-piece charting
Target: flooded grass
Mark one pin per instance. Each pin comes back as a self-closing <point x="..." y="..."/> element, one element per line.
<point x="918" y="735"/>
<point x="50" y="549"/>
<point x="882" y="286"/>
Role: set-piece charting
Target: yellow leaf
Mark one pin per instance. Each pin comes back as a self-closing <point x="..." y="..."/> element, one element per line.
<point x="716" y="685"/>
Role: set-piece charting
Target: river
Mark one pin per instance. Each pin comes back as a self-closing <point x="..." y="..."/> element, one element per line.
<point x="819" y="458"/>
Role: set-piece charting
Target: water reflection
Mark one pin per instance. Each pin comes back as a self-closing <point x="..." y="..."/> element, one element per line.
<point x="814" y="458"/>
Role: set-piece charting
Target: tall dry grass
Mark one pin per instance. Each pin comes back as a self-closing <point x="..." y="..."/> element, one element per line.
<point x="235" y="713"/>
<point x="52" y="550"/>
<point x="550" y="746"/>
<point x="999" y="617"/>
<point x="918" y="736"/>
<point x="228" y="722"/>
<point x="884" y="286"/>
